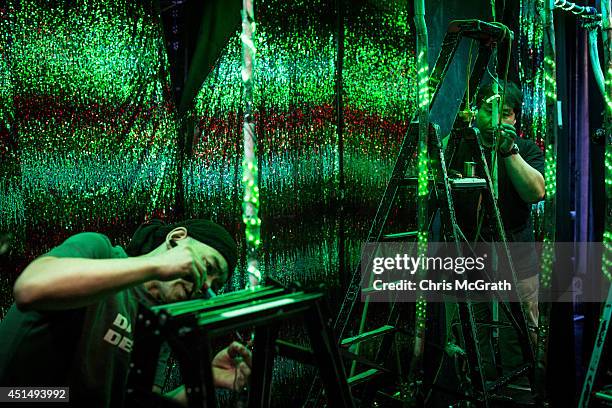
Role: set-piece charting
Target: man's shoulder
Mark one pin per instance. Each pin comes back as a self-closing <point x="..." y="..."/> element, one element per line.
<point x="85" y="245"/>
<point x="526" y="144"/>
<point x="90" y="239"/>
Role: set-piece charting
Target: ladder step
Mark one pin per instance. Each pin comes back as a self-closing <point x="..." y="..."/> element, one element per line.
<point x="295" y="352"/>
<point x="468" y="182"/>
<point x="394" y="400"/>
<point x="490" y="323"/>
<point x="505" y="379"/>
<point x="367" y="335"/>
<point x="367" y="291"/>
<point x="604" y="396"/>
<point x="401" y="235"/>
<point x="412" y="181"/>
<point x="363" y="376"/>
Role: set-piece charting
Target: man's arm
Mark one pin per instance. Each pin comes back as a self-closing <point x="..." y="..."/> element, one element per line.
<point x="527" y="181"/>
<point x="51" y="283"/>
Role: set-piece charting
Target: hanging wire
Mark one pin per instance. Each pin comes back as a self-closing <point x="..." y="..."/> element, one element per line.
<point x="576" y="9"/>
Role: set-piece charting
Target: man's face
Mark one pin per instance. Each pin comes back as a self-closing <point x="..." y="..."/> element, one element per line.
<point x="486" y="123"/>
<point x="180" y="289"/>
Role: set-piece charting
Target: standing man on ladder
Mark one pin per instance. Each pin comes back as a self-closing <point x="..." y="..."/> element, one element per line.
<point x="520" y="183"/>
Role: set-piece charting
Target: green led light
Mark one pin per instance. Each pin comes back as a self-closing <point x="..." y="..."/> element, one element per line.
<point x="608" y="165"/>
<point x="550" y="177"/>
<point x="606" y="261"/>
<point x="548" y="251"/>
<point x="550" y="172"/>
<point x="250" y="177"/>
<point x="549" y="78"/>
<point x="607" y="255"/>
<point x="421" y="313"/>
<point x="423" y="179"/>
<point x="607" y="98"/>
<point x="423" y="98"/>
<point x="423" y="80"/>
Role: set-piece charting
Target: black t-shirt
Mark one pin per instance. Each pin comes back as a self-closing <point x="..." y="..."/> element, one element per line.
<point x="515" y="213"/>
<point x="87" y="349"/>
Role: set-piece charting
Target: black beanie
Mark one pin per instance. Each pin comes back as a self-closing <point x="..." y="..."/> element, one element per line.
<point x="153" y="233"/>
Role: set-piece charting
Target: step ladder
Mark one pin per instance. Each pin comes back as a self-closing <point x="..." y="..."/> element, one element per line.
<point x="587" y="394"/>
<point x="440" y="193"/>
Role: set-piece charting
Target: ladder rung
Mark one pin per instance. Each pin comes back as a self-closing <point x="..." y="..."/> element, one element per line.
<point x="367" y="335"/>
<point x="363" y="376"/>
<point x="505" y="379"/>
<point x="490" y="323"/>
<point x="367" y="291"/>
<point x="604" y="396"/>
<point x="395" y="398"/>
<point x="295" y="352"/>
<point x="400" y="235"/>
<point x="468" y="182"/>
<point x="412" y="181"/>
<point x="361" y="360"/>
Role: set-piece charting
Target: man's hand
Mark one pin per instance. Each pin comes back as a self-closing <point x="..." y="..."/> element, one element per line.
<point x="232" y="367"/>
<point x="180" y="262"/>
<point x="505" y="138"/>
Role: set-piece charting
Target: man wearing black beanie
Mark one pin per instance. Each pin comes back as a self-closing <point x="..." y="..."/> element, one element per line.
<point x="75" y="308"/>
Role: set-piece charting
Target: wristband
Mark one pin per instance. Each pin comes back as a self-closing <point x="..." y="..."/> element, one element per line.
<point x="512" y="151"/>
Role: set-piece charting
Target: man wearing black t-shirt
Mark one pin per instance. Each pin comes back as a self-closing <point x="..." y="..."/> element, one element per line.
<point x="74" y="318"/>
<point x="520" y="181"/>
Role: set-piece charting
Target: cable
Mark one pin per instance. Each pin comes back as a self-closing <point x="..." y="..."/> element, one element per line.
<point x="493" y="77"/>
<point x="595" y="64"/>
<point x="574" y="8"/>
<point x="506" y="32"/>
<point x="467" y="112"/>
<point x="467" y="241"/>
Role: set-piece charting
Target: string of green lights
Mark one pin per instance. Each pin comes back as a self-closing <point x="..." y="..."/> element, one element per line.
<point x="607" y="41"/>
<point x="250" y="178"/>
<point x="296" y="131"/>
